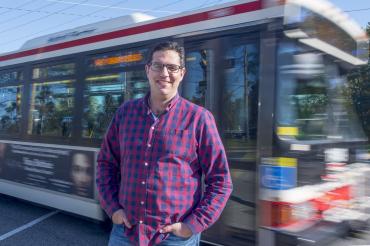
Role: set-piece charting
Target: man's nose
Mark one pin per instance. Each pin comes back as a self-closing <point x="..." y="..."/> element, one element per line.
<point x="164" y="71"/>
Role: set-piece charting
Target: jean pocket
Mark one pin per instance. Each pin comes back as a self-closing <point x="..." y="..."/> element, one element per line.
<point x="118" y="237"/>
<point x="174" y="240"/>
<point x="173" y="237"/>
<point x="119" y="228"/>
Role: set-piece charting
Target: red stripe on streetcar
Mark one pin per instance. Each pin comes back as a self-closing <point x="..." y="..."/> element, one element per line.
<point x="213" y="14"/>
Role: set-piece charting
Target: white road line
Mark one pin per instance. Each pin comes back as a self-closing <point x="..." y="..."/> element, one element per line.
<point x="26" y="226"/>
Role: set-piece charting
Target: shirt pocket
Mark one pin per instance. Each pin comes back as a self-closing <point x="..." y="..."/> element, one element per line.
<point x="177" y="143"/>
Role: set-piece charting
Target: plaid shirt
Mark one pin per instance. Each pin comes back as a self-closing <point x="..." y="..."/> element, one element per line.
<point x="152" y="168"/>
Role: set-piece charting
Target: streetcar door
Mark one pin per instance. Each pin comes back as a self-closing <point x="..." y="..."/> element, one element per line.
<point x="222" y="75"/>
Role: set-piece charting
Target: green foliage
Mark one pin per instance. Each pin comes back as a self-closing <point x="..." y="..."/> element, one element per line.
<point x="359" y="90"/>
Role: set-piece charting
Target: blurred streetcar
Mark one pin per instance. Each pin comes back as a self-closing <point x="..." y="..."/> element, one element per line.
<point x="274" y="73"/>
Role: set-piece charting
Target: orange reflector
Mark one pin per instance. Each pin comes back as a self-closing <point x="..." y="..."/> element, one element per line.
<point x="276" y="213"/>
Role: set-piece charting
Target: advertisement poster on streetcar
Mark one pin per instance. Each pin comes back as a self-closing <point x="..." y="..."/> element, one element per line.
<point x="64" y="170"/>
<point x="278" y="173"/>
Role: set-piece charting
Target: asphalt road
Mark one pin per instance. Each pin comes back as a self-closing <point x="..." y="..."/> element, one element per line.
<point x="358" y="239"/>
<point x="22" y="223"/>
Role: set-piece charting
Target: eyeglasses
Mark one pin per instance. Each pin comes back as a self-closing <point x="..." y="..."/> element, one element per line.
<point x="171" y="68"/>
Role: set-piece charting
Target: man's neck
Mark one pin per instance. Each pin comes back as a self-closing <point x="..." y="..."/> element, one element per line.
<point x="159" y="105"/>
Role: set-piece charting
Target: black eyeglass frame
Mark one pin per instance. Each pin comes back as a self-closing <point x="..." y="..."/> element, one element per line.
<point x="169" y="69"/>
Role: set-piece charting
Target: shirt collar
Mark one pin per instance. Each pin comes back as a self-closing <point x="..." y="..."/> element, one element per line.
<point x="172" y="103"/>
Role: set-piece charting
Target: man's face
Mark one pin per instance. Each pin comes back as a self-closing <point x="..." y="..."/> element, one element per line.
<point x="163" y="83"/>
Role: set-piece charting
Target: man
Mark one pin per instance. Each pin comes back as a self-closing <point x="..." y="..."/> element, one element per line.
<point x="152" y="159"/>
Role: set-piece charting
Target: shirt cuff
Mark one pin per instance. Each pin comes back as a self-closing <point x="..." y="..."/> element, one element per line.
<point x="112" y="209"/>
<point x="192" y="222"/>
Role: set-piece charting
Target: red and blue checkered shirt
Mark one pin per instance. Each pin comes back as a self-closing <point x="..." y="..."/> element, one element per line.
<point x="152" y="168"/>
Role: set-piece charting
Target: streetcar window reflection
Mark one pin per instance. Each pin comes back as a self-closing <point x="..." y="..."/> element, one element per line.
<point x="53" y="71"/>
<point x="104" y="94"/>
<point x="194" y="87"/>
<point x="10" y="76"/>
<point x="313" y="98"/>
<point x="10" y="109"/>
<point x="52" y="104"/>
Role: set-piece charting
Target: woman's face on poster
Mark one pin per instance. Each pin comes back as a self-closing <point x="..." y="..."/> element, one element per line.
<point x="81" y="173"/>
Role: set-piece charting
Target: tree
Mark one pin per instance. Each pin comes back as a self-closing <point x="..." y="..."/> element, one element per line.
<point x="359" y="91"/>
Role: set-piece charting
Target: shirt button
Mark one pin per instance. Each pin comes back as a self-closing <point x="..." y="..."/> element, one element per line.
<point x="140" y="221"/>
<point x="143" y="182"/>
<point x="149" y="145"/>
<point x="152" y="127"/>
<point x="146" y="164"/>
<point x="142" y="202"/>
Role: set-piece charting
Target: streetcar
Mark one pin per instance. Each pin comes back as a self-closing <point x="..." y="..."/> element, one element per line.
<point x="275" y="74"/>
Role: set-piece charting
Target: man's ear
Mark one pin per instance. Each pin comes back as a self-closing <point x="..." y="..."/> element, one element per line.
<point x="183" y="72"/>
<point x="146" y="68"/>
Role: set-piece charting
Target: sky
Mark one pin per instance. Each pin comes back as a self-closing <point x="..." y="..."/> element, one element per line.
<point x="21" y="20"/>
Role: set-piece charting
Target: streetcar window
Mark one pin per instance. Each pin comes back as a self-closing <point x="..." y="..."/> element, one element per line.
<point x="320" y="27"/>
<point x="104" y="94"/>
<point x="10" y="76"/>
<point x="314" y="101"/>
<point x="239" y="94"/>
<point x="194" y="87"/>
<point x="10" y="109"/>
<point x="59" y="70"/>
<point x="117" y="59"/>
<point x="235" y="90"/>
<point x="51" y="108"/>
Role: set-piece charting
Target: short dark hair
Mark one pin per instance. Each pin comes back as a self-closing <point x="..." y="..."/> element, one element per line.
<point x="168" y="45"/>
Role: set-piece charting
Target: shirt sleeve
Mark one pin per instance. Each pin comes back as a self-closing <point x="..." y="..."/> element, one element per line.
<point x="218" y="184"/>
<point x="108" y="171"/>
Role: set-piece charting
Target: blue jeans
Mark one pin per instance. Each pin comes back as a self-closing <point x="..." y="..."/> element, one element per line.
<point x="174" y="240"/>
<point x="117" y="238"/>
